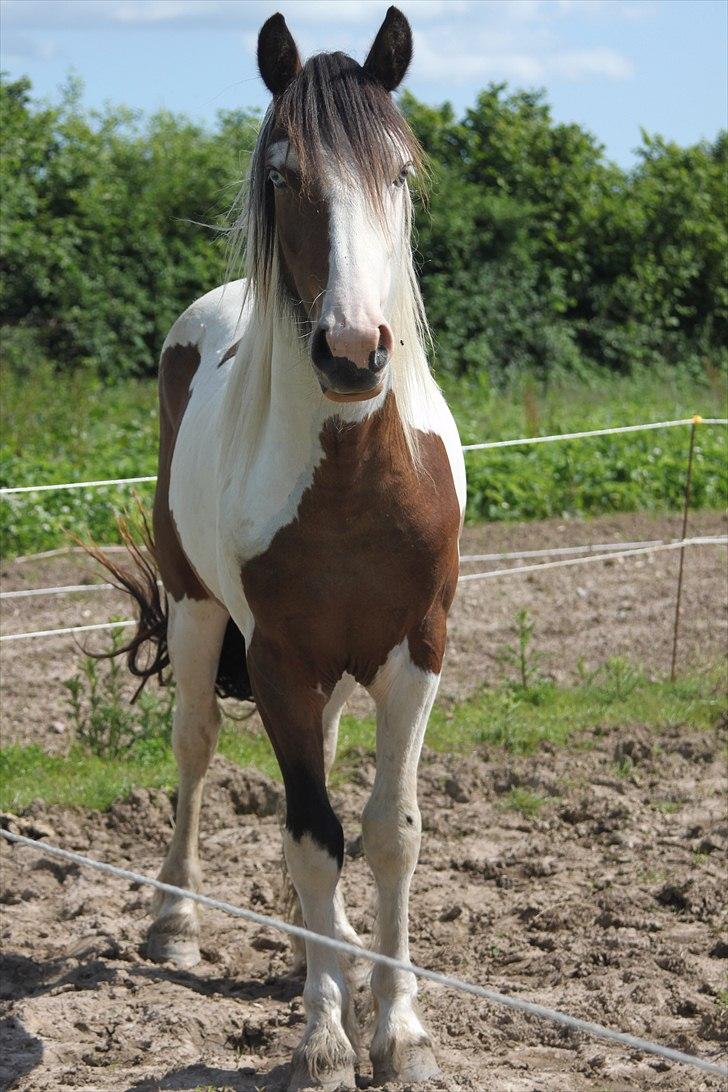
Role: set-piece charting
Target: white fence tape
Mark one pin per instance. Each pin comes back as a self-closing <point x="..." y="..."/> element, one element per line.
<point x="593" y="432"/>
<point x="64" y="589"/>
<point x="514" y="555"/>
<point x="63" y="551"/>
<point x="7" y="491"/>
<point x="554" y="551"/>
<point x="541" y="1012"/>
<point x="707" y="540"/>
<point x="69" y="629"/>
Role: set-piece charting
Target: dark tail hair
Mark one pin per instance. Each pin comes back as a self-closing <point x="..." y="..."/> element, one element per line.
<point x="147" y="653"/>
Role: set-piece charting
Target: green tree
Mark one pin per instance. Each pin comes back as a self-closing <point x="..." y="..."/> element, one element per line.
<point x="103" y="238"/>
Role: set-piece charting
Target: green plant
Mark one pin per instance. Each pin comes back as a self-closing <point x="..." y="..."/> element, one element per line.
<point x="104" y="722"/>
<point x="624" y="767"/>
<point x="523" y="800"/>
<point x="616" y="679"/>
<point x="522" y="657"/>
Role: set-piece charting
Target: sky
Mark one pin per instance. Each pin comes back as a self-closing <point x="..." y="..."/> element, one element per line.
<point x="613" y="66"/>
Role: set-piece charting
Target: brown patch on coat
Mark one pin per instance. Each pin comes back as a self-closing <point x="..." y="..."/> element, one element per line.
<point x="230" y="353"/>
<point x="370" y="560"/>
<point x="302" y="217"/>
<point x="177" y="368"/>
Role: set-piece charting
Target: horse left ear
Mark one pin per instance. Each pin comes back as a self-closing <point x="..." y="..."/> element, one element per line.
<point x="391" y="53"/>
<point x="278" y="59"/>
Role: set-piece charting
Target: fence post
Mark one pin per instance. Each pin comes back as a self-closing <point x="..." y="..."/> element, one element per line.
<point x="686" y="505"/>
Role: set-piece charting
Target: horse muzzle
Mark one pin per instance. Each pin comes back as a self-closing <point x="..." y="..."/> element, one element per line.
<point x="343" y="379"/>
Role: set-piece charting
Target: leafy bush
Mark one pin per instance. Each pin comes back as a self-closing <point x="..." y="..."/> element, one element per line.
<point x="101" y="239"/>
<point x="537" y="253"/>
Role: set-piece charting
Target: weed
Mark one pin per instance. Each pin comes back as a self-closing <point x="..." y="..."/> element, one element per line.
<point x="523" y="658"/>
<point x="493" y="717"/>
<point x="104" y="723"/>
<point x="523" y="800"/>
<point x="624" y="767"/>
<point x="615" y="680"/>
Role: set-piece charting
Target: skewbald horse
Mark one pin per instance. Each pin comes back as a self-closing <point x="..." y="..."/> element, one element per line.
<point x="306" y="520"/>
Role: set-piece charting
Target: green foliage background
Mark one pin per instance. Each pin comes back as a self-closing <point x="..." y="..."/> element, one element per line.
<point x="536" y="251"/>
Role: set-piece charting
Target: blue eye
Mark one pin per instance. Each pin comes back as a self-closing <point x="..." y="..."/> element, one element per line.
<point x="277" y="178"/>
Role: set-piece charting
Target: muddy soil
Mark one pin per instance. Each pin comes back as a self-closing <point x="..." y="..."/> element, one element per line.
<point x="608" y="903"/>
<point x="584" y="613"/>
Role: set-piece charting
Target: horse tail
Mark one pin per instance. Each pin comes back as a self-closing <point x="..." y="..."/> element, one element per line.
<point x="146" y="653"/>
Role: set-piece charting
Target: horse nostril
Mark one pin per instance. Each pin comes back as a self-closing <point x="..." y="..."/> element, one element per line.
<point x="320" y="351"/>
<point x="378" y="359"/>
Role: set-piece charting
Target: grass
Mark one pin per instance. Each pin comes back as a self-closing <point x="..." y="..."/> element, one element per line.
<point x="66" y="427"/>
<point x="524" y="801"/>
<point x="506" y="718"/>
<point x="639" y="471"/>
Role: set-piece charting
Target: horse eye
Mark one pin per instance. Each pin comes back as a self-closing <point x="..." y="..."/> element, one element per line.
<point x="277" y="178"/>
<point x="403" y="176"/>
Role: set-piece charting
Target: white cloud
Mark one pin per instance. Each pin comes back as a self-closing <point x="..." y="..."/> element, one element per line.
<point x="26" y="47"/>
<point x="581" y="64"/>
<point x="211" y="14"/>
<point x="457" y="41"/>
<point x="442" y="58"/>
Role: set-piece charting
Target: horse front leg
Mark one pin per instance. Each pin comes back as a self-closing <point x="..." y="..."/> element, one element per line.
<point x="195" y="635"/>
<point x="292" y="709"/>
<point x="292" y="907"/>
<point x="401" y="1049"/>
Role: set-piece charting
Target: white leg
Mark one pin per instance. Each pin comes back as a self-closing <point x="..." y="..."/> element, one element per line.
<point x="195" y="634"/>
<point x="404" y="695"/>
<point x="325" y="1057"/>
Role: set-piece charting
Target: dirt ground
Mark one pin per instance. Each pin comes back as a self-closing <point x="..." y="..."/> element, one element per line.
<point x="582" y="613"/>
<point x="608" y="905"/>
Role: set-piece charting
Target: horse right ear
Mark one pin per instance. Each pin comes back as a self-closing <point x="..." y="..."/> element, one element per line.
<point x="278" y="59"/>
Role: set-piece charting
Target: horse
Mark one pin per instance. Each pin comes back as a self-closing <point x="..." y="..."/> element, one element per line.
<point x="306" y="521"/>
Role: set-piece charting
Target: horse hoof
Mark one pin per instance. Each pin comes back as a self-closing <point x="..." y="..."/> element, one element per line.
<point x="412" y="1063"/>
<point x="324" y="1061"/>
<point x="173" y="939"/>
<point x="341" y="1079"/>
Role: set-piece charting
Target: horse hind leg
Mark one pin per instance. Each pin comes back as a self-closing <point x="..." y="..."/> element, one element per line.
<point x="195" y="635"/>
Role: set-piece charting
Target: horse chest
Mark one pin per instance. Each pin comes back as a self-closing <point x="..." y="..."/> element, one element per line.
<point x="370" y="549"/>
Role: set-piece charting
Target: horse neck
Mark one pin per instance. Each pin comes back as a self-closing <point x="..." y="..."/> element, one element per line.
<point x="297" y="410"/>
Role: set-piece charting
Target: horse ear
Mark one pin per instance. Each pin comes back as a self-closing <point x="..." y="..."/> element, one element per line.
<point x="391" y="53"/>
<point x="278" y="59"/>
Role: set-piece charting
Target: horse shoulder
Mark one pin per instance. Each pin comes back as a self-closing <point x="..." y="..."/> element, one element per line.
<point x="189" y="366"/>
